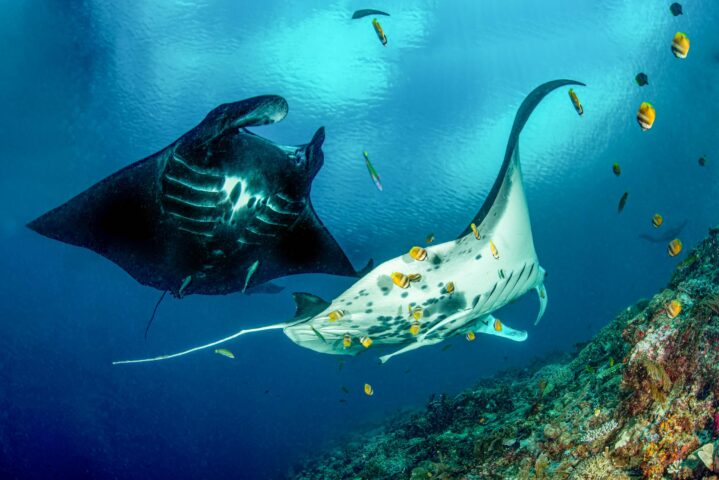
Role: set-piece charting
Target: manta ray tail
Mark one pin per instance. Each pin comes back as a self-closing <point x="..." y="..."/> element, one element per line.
<point x="307" y="305"/>
<point x="203" y="347"/>
<point x="154" y="312"/>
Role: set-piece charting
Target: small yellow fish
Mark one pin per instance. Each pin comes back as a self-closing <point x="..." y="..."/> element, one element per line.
<point x="414" y="277"/>
<point x="646" y="115"/>
<point x="497" y="325"/>
<point x="417" y="313"/>
<point x="368" y="390"/>
<point x="575" y="101"/>
<point x="657" y="220"/>
<point x="225" y="353"/>
<point x="449" y="288"/>
<point x="366" y="342"/>
<point x="418" y="253"/>
<point x="611" y="362"/>
<point x="400" y="279"/>
<point x="474" y="230"/>
<point x="597" y="412"/>
<point x="347" y="341"/>
<point x="542" y="293"/>
<point x="674" y="308"/>
<point x="616" y="169"/>
<point x="430" y="238"/>
<point x="470" y="336"/>
<point x="674" y="248"/>
<point x="380" y="33"/>
<point x="680" y="45"/>
<point x="414" y="329"/>
<point x="493" y="249"/>
<point x="335" y="315"/>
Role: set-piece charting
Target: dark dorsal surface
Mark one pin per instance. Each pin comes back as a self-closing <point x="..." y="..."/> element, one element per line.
<point x="219" y="210"/>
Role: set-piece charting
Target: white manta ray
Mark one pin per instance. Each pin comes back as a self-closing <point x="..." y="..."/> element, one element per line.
<point x="454" y="288"/>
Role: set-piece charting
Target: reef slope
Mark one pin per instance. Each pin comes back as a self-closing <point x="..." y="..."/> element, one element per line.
<point x="641" y="400"/>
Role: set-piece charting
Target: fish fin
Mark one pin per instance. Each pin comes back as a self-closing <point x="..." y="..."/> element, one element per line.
<point x="542" y="295"/>
<point x="366" y="12"/>
<point x="256" y="111"/>
<point x="494" y="202"/>
<point x="313" y="150"/>
<point x="154" y="312"/>
<point x="411" y="346"/>
<point x="486" y="325"/>
<point x="203" y="347"/>
<point x="308" y="305"/>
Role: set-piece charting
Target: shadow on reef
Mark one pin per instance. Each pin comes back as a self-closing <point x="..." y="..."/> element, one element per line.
<point x="641" y="400"/>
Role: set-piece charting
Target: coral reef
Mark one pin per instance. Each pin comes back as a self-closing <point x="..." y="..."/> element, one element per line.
<point x="641" y="400"/>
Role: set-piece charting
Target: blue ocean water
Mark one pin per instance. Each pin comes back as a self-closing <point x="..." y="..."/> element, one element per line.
<point x="87" y="87"/>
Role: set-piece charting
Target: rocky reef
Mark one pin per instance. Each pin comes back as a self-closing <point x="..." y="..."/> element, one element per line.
<point x="641" y="400"/>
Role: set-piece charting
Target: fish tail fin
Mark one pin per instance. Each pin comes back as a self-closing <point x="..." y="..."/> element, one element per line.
<point x="154" y="313"/>
<point x="202" y="347"/>
<point x="542" y="295"/>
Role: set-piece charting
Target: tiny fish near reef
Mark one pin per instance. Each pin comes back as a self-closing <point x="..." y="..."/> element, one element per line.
<point x="469" y="262"/>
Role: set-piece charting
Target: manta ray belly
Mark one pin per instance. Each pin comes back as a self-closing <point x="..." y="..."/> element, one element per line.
<point x="203" y="201"/>
<point x="380" y="309"/>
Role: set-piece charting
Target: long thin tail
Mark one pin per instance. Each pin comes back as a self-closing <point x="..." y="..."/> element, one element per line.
<point x="203" y="347"/>
<point x="154" y="312"/>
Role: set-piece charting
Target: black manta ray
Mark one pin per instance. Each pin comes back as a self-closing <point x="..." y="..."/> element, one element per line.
<point x="219" y="210"/>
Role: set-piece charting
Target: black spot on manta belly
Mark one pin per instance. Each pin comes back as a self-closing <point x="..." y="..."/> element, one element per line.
<point x="376" y="329"/>
<point x="457" y="301"/>
<point x="384" y="318"/>
<point x="436" y="260"/>
<point x="369" y="310"/>
<point x="369" y="304"/>
<point x="404" y="294"/>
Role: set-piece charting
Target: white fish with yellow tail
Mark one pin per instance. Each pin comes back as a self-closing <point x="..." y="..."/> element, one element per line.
<point x="375" y="305"/>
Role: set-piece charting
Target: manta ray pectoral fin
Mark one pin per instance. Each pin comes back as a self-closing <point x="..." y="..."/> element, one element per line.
<point x="542" y="295"/>
<point x="310" y="248"/>
<point x="412" y="346"/>
<point x="494" y="202"/>
<point x="488" y="325"/>
<point x="116" y="218"/>
<point x="267" y="288"/>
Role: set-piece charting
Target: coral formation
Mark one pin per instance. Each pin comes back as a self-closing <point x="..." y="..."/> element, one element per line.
<point x="641" y="400"/>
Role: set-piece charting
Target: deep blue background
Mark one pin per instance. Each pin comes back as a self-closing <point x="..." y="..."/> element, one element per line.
<point x="87" y="87"/>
